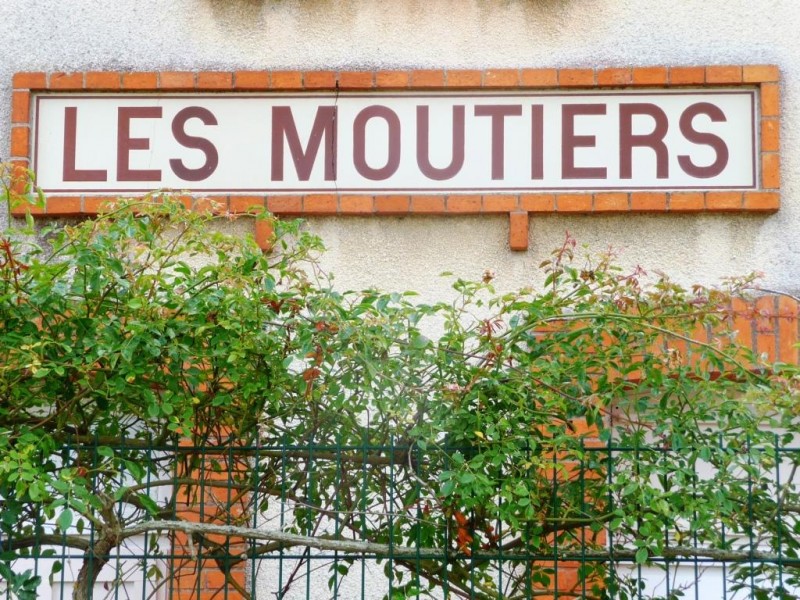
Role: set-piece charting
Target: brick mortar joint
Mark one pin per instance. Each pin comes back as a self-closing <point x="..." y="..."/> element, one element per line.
<point x="475" y="203"/>
<point x="520" y="71"/>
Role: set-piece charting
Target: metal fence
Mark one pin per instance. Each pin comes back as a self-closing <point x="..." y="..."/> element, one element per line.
<point x="370" y="522"/>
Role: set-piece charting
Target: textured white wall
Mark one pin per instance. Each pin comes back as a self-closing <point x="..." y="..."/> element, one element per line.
<point x="54" y="35"/>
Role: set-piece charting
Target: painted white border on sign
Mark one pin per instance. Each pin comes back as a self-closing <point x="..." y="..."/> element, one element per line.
<point x="396" y="142"/>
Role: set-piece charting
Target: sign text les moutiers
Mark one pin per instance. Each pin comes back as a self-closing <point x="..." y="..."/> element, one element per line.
<point x="431" y="142"/>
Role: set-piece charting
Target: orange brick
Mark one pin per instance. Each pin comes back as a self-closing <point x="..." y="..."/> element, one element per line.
<point x="687" y="75"/>
<point x="264" y="234"/>
<point x="245" y="204"/>
<point x="103" y="80"/>
<point x="356" y="80"/>
<point x="650" y="76"/>
<point x="518" y="231"/>
<point x="20" y="142"/>
<point x="214" y="578"/>
<point x="700" y="333"/>
<point x="742" y="324"/>
<point x="186" y="200"/>
<point x="286" y="80"/>
<point x="787" y="330"/>
<point x="392" y="204"/>
<point x="770" y="135"/>
<point x="20" y="107"/>
<point x="611" y="202"/>
<point x="211" y="205"/>
<point x="760" y="73"/>
<point x="762" y="201"/>
<point x="214" y="80"/>
<point x="537" y="202"/>
<point x="20" y="209"/>
<point x="649" y="201"/>
<point x="770" y="100"/>
<point x="724" y="74"/>
<point x="251" y="80"/>
<point x="63" y="206"/>
<point x="568" y="576"/>
<point x="574" y="202"/>
<point x="581" y="427"/>
<point x="66" y="81"/>
<point x="356" y="205"/>
<point x="499" y="203"/>
<point x="464" y="78"/>
<point x="139" y="81"/>
<point x="427" y="204"/>
<point x="575" y="77"/>
<point x="315" y="80"/>
<point x="93" y="205"/>
<point x="176" y="80"/>
<point x="321" y="204"/>
<point x="285" y="205"/>
<point x="687" y="202"/>
<point x="215" y="594"/>
<point x="501" y="78"/>
<point x="30" y="80"/>
<point x="538" y="78"/>
<point x="20" y="178"/>
<point x="765" y="327"/>
<point x="770" y="171"/>
<point x="463" y="204"/>
<point x="424" y="78"/>
<point x="612" y="77"/>
<point x="391" y="79"/>
<point x="724" y="201"/>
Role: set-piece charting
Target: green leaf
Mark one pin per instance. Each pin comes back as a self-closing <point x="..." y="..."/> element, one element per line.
<point x="419" y="341"/>
<point x="134" y="469"/>
<point x="467" y="478"/>
<point x="57" y="567"/>
<point x="105" y="451"/>
<point x="448" y="487"/>
<point x="148" y="503"/>
<point x="64" y="520"/>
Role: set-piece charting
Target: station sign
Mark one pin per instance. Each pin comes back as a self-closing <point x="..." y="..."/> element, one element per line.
<point x="432" y="142"/>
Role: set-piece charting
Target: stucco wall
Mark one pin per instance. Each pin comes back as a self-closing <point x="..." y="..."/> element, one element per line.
<point x="350" y="34"/>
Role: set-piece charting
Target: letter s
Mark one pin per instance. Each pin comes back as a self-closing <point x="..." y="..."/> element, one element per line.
<point x="708" y="139"/>
<point x="198" y="143"/>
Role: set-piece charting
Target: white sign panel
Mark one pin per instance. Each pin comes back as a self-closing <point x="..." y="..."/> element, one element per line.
<point x="415" y="142"/>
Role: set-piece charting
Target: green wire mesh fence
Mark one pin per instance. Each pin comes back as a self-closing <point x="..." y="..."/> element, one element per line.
<point x="148" y="520"/>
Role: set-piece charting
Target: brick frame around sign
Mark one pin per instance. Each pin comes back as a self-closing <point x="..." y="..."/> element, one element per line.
<point x="519" y="207"/>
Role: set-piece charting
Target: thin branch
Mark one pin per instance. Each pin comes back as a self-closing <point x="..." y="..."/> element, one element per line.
<point x="776" y="292"/>
<point x="47" y="539"/>
<point x="371" y="458"/>
<point x="728" y="556"/>
<point x="286" y="539"/>
<point x="357" y="547"/>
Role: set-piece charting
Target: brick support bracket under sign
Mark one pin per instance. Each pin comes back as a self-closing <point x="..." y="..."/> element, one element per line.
<point x="762" y="195"/>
